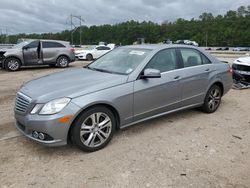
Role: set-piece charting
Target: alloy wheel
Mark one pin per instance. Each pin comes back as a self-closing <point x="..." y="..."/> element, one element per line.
<point x="13" y="65"/>
<point x="95" y="129"/>
<point x="63" y="62"/>
<point x="214" y="99"/>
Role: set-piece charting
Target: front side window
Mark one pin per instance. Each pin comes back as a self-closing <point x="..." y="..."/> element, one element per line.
<point x="191" y="57"/>
<point x="120" y="60"/>
<point x="33" y="44"/>
<point x="163" y="61"/>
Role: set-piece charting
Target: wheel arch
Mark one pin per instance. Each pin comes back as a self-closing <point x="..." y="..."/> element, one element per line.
<point x="62" y="55"/>
<point x="220" y="84"/>
<point x="109" y="106"/>
<point x="89" y="54"/>
<point x="12" y="56"/>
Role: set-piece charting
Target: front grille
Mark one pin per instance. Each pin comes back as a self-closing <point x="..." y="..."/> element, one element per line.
<point x="22" y="103"/>
<point x="241" y="67"/>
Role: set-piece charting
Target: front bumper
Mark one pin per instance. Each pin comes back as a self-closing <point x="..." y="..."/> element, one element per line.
<point x="241" y="72"/>
<point x="81" y="57"/>
<point x="1" y="63"/>
<point x="56" y="132"/>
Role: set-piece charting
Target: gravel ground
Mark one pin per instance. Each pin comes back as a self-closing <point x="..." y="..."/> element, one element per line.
<point x="184" y="149"/>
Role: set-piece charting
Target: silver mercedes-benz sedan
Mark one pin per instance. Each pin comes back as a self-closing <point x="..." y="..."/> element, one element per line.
<point x="128" y="85"/>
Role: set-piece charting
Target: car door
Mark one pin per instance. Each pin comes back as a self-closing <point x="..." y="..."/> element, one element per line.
<point x="31" y="52"/>
<point x="153" y="96"/>
<point x="195" y="77"/>
<point x="51" y="51"/>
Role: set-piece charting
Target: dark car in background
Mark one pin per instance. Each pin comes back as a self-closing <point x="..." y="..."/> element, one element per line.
<point x="37" y="52"/>
<point x="222" y="49"/>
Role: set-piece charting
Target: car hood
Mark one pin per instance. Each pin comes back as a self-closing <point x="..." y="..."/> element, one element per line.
<point x="71" y="83"/>
<point x="243" y="61"/>
<point x="9" y="50"/>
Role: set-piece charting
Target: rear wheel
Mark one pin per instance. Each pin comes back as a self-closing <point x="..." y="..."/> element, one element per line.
<point x="12" y="64"/>
<point x="94" y="129"/>
<point x="212" y="100"/>
<point x="89" y="57"/>
<point x="62" y="62"/>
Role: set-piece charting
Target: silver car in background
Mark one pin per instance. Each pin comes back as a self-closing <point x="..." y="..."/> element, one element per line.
<point x="37" y="52"/>
<point x="128" y="85"/>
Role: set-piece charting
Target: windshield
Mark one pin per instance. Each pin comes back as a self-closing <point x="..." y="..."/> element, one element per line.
<point x="22" y="44"/>
<point x="120" y="60"/>
<point x="90" y="48"/>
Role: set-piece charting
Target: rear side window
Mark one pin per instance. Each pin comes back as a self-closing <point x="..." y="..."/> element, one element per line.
<point x="53" y="45"/>
<point x="163" y="61"/>
<point x="205" y="60"/>
<point x="191" y="57"/>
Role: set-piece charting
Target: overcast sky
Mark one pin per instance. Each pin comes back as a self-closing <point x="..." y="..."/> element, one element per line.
<point x="28" y="16"/>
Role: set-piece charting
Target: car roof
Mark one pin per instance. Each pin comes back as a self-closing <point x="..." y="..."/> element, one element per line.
<point x="46" y="40"/>
<point x="159" y="46"/>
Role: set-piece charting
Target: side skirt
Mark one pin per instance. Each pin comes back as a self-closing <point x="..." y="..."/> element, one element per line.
<point x="162" y="114"/>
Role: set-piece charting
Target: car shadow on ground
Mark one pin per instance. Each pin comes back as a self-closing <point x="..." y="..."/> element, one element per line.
<point x="131" y="131"/>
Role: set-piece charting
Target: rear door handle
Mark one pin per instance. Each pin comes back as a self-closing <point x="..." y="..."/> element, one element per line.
<point x="177" y="77"/>
<point x="207" y="70"/>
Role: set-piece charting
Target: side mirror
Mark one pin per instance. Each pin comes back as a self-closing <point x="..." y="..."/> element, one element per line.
<point x="26" y="47"/>
<point x="151" y="73"/>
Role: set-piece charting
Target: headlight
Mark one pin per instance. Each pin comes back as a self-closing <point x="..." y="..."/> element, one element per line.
<point x="51" y="107"/>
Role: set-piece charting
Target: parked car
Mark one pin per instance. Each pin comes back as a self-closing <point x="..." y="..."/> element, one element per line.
<point x="241" y="49"/>
<point x="222" y="49"/>
<point x="187" y="42"/>
<point x="37" y="52"/>
<point x="130" y="84"/>
<point x="241" y="69"/>
<point x="93" y="52"/>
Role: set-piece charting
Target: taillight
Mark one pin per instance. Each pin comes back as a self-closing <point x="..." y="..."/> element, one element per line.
<point x="231" y="70"/>
<point x="72" y="50"/>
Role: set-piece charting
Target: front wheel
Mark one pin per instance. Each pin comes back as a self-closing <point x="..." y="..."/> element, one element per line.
<point x="94" y="129"/>
<point x="89" y="57"/>
<point x="212" y="100"/>
<point x="12" y="64"/>
<point x="62" y="62"/>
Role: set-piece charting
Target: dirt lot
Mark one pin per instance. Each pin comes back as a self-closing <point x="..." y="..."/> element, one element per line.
<point x="185" y="149"/>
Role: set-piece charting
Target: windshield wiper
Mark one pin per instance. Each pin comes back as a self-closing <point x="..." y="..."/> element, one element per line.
<point x="100" y="70"/>
<point x="103" y="70"/>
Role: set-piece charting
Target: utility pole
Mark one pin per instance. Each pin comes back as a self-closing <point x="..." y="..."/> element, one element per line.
<point x="75" y="28"/>
<point x="71" y="23"/>
<point x="80" y="31"/>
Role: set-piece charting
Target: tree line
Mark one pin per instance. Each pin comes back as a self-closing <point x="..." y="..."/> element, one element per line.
<point x="230" y="29"/>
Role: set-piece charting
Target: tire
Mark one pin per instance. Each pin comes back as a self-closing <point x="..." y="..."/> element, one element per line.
<point x="212" y="99"/>
<point x="12" y="64"/>
<point x="62" y="62"/>
<point x="88" y="133"/>
<point x="89" y="57"/>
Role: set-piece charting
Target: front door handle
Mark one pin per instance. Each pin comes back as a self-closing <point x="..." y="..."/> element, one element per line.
<point x="207" y="70"/>
<point x="177" y="77"/>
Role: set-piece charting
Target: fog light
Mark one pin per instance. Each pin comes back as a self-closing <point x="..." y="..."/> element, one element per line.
<point x="41" y="136"/>
<point x="35" y="134"/>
